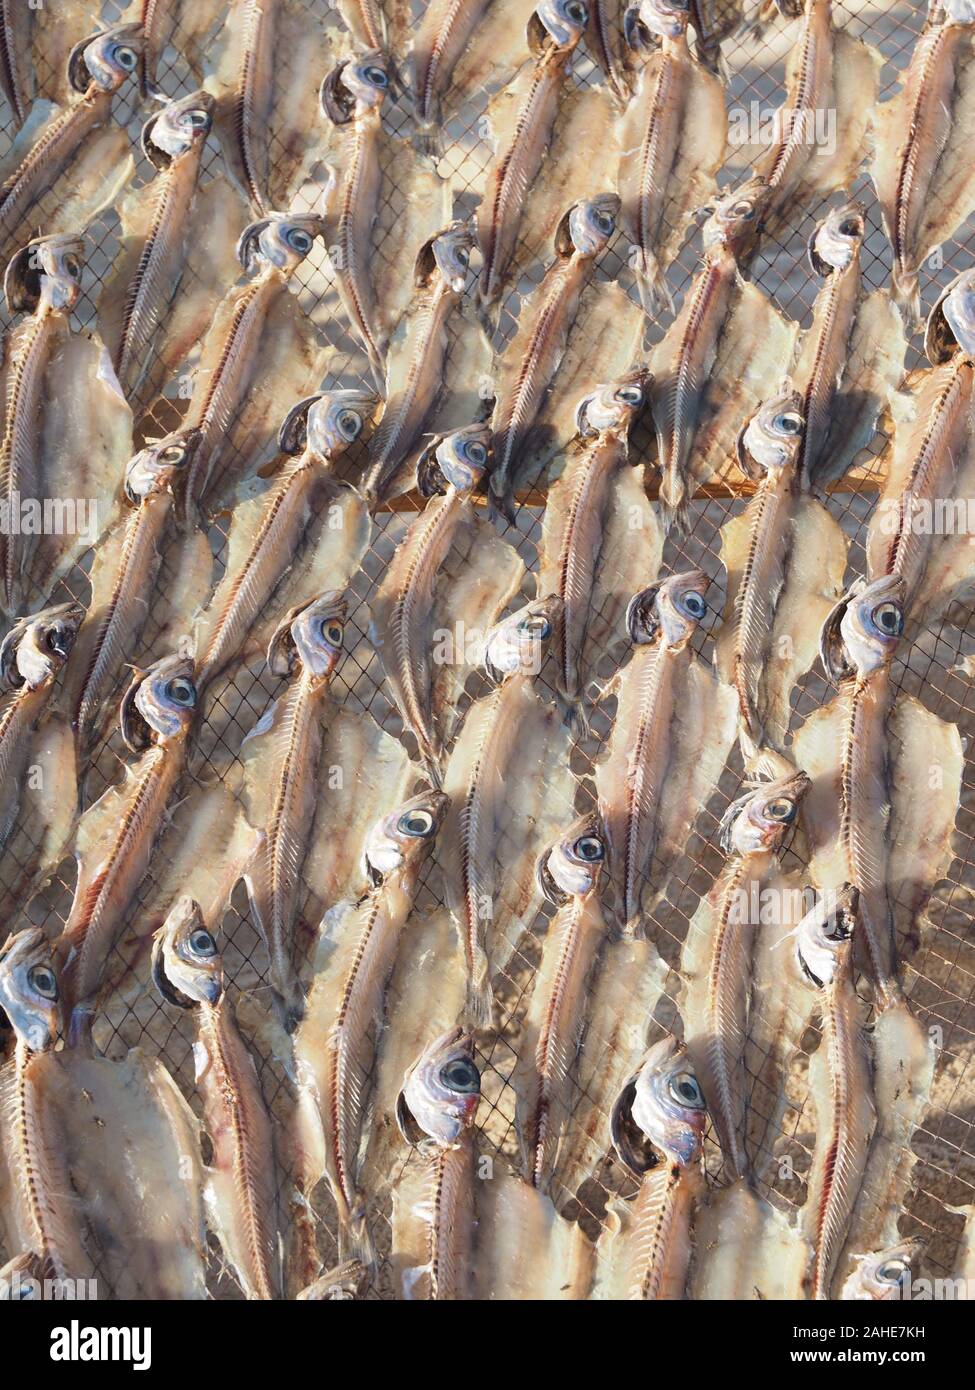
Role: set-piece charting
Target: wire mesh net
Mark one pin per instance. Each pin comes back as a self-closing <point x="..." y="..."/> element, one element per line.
<point x="938" y="968"/>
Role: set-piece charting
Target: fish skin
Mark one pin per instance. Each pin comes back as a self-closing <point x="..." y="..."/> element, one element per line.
<point x="516" y="165"/>
<point x="251" y="98"/>
<point x="442" y="36"/>
<point x="30" y="349"/>
<point x="42" y="164"/>
<point x="365" y="21"/>
<point x="605" y="36"/>
<point x="812" y="58"/>
<point x="14" y="43"/>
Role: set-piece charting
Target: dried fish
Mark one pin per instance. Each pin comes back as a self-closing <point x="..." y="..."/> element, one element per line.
<point x="577" y="517"/>
<point x="478" y="779"/>
<point x="188" y="972"/>
<point x="278" y="243"/>
<point x="251" y="96"/>
<point x="821" y="129"/>
<point x="433" y="1234"/>
<point x="352" y="100"/>
<point x="16" y="23"/>
<point x="336" y="1044"/>
<point x="785" y="557"/>
<point x="365" y="21"/>
<point x="97" y="68"/>
<point x="672" y="138"/>
<point x="851" y="358"/>
<point x="569" y="875"/>
<point x="38" y="1213"/>
<point x="32" y="656"/>
<point x="522" y="120"/>
<point x="717" y="954"/>
<point x="931" y="466"/>
<point x="116" y="836"/>
<point x="173" y="140"/>
<point x="840" y="1084"/>
<point x="532" y="358"/>
<point x="645" y="1250"/>
<point x="450" y="472"/>
<point x="886" y="1275"/>
<point x="673" y="731"/>
<point x="42" y="281"/>
<point x="444" y="30"/>
<point x="153" y="477"/>
<point x="267" y="532"/>
<point x="700" y="364"/>
<point x="746" y="1249"/>
<point x="921" y="169"/>
<point x="417" y="358"/>
<point x="282" y="772"/>
<point x="605" y="38"/>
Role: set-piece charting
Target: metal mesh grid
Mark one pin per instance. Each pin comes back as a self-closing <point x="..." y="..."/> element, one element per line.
<point x="940" y="977"/>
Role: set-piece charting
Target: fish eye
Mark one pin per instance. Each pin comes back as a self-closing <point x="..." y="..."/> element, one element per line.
<point x="686" y="1091"/>
<point x="576" y="11"/>
<point x="299" y="240"/>
<point x="782" y="809"/>
<point x="630" y="395"/>
<point x="42" y="979"/>
<point x="173" y="453"/>
<point x="743" y="209"/>
<point x="889" y="619"/>
<point x="536" y="626"/>
<point x="125" y="57"/>
<point x="181" y="691"/>
<point x="202" y="943"/>
<point x="333" y="631"/>
<point x="589" y="848"/>
<point x="72" y="266"/>
<point x="605" y="222"/>
<point x="377" y="77"/>
<point x="460" y="1074"/>
<point x="197" y="118"/>
<point x="892" y="1272"/>
<point x="476" y="452"/>
<point x="693" y="604"/>
<point x="790" y="423"/>
<point x="463" y="256"/>
<point x="350" y="423"/>
<point x="418" y="824"/>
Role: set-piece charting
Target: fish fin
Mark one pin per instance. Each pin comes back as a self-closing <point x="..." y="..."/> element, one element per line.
<point x="906" y="293"/>
<point x="355" y="1241"/>
<point x="651" y="283"/>
<point x="480" y="996"/>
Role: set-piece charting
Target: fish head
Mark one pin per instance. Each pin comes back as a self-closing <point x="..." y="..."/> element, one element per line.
<point x="36" y="648"/>
<point x="669" y="612"/>
<point x="759" y="821"/>
<point x="355" y="87"/>
<point x="837" y="239"/>
<point x="559" y="23"/>
<point x="661" y="19"/>
<point x="160" y="703"/>
<point x="447" y="255"/>
<point x="441" y="1092"/>
<point x="107" y="59"/>
<point x="571" y="865"/>
<point x="661" y="1104"/>
<point x="459" y="460"/>
<point x="326" y="424"/>
<point x="517" y="645"/>
<point x="187" y="967"/>
<point x="959" y="11"/>
<point x="587" y="228"/>
<point x="313" y="634"/>
<point x="862" y="631"/>
<point x="951" y="322"/>
<point x="613" y="406"/>
<point x="282" y="240"/>
<point x="161" y="466"/>
<point x="736" y="219"/>
<point x="770" y="441"/>
<point x="885" y="1274"/>
<point x="404" y="838"/>
<point x="824" y="937"/>
<point x="29" y="993"/>
<point x="181" y="126"/>
<point x="47" y="271"/>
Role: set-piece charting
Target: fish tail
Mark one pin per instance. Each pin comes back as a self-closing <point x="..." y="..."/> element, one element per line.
<point x="651" y="283"/>
<point x="289" y="1003"/>
<point x="355" y="1239"/>
<point x="428" y="141"/>
<point x="480" y="996"/>
<point x="501" y="499"/>
<point x="907" y="294"/>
